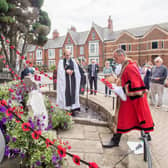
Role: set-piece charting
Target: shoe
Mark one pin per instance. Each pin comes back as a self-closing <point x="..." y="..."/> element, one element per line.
<point x="91" y="93"/>
<point x="149" y="137"/>
<point x="111" y="144"/>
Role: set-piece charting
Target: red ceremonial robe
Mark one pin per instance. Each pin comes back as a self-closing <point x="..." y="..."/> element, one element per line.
<point x="134" y="113"/>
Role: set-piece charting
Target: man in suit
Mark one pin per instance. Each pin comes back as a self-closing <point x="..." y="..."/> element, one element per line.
<point x="93" y="69"/>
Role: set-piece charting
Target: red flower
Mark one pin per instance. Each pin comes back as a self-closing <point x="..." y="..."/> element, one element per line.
<point x="82" y="89"/>
<point x="7" y="66"/>
<point x="11" y="90"/>
<point x="50" y="78"/>
<point x="3" y="38"/>
<point x="22" y="57"/>
<point x="8" y="113"/>
<point x="69" y="147"/>
<point x="49" y="142"/>
<point x="36" y="134"/>
<point x="36" y="69"/>
<point x="4" y="102"/>
<point x="52" y="107"/>
<point x="27" y="61"/>
<point x="61" y="151"/>
<point x="17" y="52"/>
<point x="12" y="47"/>
<point x="7" y="41"/>
<point x="41" y="72"/>
<point x="56" y="105"/>
<point x="13" y="72"/>
<point x="4" y="61"/>
<point x="26" y="126"/>
<point x="93" y="165"/>
<point x="10" y="69"/>
<point x="45" y="75"/>
<point x="76" y="159"/>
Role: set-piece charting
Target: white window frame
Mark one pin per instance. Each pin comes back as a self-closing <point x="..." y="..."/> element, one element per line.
<point x="70" y="47"/>
<point x="51" y="62"/>
<point x="51" y="53"/>
<point x="81" y="50"/>
<point x="60" y="52"/>
<point x="39" y="54"/>
<point x="39" y="62"/>
<point x="96" y="48"/>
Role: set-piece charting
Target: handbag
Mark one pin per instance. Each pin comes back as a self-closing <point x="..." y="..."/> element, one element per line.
<point x="166" y="83"/>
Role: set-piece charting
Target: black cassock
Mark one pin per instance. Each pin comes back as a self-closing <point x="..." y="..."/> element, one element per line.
<point x="70" y="83"/>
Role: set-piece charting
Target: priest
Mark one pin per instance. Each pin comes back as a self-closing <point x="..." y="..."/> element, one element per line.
<point x="68" y="83"/>
<point x="134" y="113"/>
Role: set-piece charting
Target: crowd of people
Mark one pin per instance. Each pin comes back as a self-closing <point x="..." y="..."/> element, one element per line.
<point x="132" y="112"/>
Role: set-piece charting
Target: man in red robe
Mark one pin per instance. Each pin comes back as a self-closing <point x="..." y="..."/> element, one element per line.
<point x="134" y="113"/>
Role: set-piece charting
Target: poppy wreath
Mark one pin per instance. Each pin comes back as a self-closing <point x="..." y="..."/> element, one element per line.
<point x="76" y="159"/>
<point x="61" y="151"/>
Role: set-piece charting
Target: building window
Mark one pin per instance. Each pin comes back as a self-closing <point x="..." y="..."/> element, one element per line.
<point x="51" y="62"/>
<point x="154" y="45"/>
<point x="94" y="49"/>
<point x="70" y="47"/>
<point x="129" y="47"/>
<point x="60" y="52"/>
<point x="51" y="53"/>
<point x="81" y="50"/>
<point x="123" y="46"/>
<point x="93" y="35"/>
<point x="39" y="62"/>
<point x="39" y="55"/>
<point x="162" y="44"/>
<point x="31" y="55"/>
<point x="69" y="40"/>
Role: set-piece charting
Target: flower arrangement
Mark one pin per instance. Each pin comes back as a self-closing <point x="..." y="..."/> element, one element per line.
<point x="58" y="119"/>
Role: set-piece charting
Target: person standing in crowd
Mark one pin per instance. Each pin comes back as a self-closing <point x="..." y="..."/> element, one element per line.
<point x="134" y="113"/>
<point x="108" y="72"/>
<point x="83" y="77"/>
<point x="158" y="76"/>
<point x="55" y="78"/>
<point x="68" y="83"/>
<point x="93" y="69"/>
<point x="26" y="71"/>
<point x="147" y="74"/>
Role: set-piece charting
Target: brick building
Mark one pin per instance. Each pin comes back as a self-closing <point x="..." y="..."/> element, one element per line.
<point x="141" y="44"/>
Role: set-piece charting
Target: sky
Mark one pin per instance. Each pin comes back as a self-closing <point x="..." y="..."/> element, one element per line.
<point x="124" y="13"/>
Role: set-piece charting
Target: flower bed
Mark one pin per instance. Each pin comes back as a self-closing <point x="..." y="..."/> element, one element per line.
<point x="32" y="150"/>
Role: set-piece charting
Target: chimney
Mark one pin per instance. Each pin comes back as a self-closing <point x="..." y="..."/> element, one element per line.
<point x="73" y="28"/>
<point x="55" y="34"/>
<point x="110" y="23"/>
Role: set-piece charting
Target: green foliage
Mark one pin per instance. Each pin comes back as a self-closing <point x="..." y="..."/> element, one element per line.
<point x="4" y="93"/>
<point x="42" y="40"/>
<point x="60" y="119"/>
<point x="37" y="3"/>
<point x="44" y="19"/>
<point x="6" y="19"/>
<point x="3" y="6"/>
<point x="52" y="67"/>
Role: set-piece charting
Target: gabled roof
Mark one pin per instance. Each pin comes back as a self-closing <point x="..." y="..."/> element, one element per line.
<point x="104" y="33"/>
<point x="55" y="43"/>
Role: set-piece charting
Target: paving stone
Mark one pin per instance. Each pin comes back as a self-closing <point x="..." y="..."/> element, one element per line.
<point x="84" y="146"/>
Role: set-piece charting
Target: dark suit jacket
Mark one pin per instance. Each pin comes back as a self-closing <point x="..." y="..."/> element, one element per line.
<point x="90" y="70"/>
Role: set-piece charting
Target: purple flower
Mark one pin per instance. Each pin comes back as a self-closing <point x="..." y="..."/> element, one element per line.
<point x="54" y="159"/>
<point x="4" y="120"/>
<point x="7" y="138"/>
<point x="22" y="155"/>
<point x="44" y="117"/>
<point x="14" y="139"/>
<point x="2" y="109"/>
<point x="7" y="151"/>
<point x="38" y="163"/>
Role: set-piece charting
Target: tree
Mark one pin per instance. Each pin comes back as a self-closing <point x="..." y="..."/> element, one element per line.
<point x="22" y="22"/>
